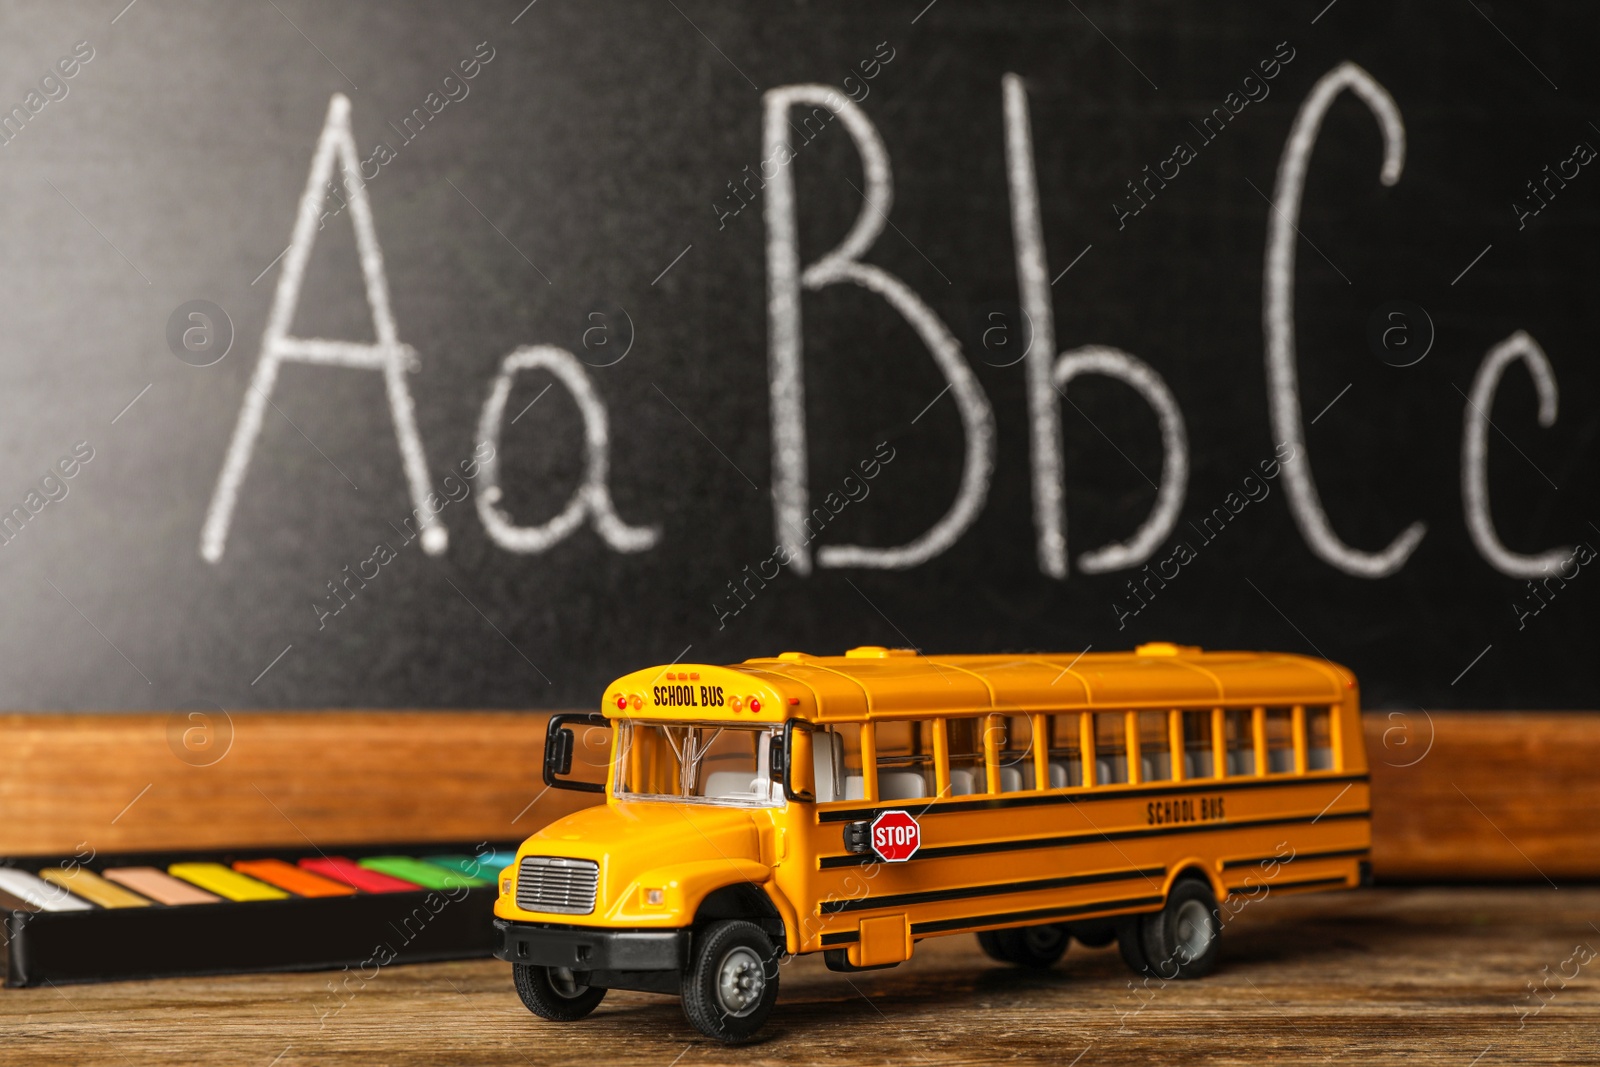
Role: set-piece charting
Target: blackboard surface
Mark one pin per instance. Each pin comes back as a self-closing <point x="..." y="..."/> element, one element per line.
<point x="597" y="179"/>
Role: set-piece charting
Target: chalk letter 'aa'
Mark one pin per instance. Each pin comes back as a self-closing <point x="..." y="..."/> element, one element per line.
<point x="387" y="354"/>
<point x="593" y="497"/>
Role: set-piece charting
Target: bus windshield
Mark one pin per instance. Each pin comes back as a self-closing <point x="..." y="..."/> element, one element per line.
<point x="708" y="763"/>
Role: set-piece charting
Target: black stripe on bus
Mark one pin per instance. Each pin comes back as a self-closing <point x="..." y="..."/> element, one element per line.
<point x="829" y="907"/>
<point x="1027" y="843"/>
<point x="1343" y="853"/>
<point x="1126" y="792"/>
<point x="940" y="926"/>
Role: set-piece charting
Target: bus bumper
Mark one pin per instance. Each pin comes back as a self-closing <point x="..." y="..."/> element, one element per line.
<point x="587" y="948"/>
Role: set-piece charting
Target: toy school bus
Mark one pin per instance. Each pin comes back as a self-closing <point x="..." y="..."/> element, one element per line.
<point x="853" y="805"/>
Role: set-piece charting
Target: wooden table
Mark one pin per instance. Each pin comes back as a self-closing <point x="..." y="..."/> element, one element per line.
<point x="1424" y="975"/>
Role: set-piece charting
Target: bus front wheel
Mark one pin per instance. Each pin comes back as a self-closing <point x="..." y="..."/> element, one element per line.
<point x="555" y="993"/>
<point x="732" y="981"/>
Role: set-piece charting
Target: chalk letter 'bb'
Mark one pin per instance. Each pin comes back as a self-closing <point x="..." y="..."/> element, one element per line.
<point x="592" y="497"/>
<point x="785" y="278"/>
<point x="387" y="354"/>
<point x="1283" y="390"/>
<point x="1047" y="375"/>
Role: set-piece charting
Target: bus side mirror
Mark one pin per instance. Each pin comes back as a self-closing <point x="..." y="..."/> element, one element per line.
<point x="791" y="762"/>
<point x="559" y="743"/>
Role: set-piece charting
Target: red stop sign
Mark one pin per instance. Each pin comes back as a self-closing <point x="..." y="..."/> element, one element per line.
<point x="895" y="836"/>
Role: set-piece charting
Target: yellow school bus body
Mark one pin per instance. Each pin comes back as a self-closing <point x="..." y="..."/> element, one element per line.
<point x="988" y="859"/>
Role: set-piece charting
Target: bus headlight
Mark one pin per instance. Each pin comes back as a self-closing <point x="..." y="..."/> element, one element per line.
<point x="655" y="898"/>
<point x="505" y="886"/>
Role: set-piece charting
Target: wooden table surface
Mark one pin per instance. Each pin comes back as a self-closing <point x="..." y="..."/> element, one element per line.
<point x="1424" y="975"/>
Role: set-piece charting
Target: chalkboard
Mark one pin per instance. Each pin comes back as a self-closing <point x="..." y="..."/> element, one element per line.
<point x="472" y="354"/>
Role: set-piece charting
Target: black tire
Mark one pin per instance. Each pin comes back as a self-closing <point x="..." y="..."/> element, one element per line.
<point x="732" y="981"/>
<point x="1035" y="947"/>
<point x="1130" y="943"/>
<point x="1097" y="933"/>
<point x="993" y="947"/>
<point x="1183" y="938"/>
<point x="554" y="993"/>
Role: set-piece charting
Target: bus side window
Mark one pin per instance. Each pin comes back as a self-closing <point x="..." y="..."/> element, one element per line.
<point x="1199" y="752"/>
<point x="1110" y="747"/>
<point x="1241" y="743"/>
<point x="967" y="773"/>
<point x="836" y="762"/>
<point x="1064" y="745"/>
<point x="1013" y="742"/>
<point x="1155" y="747"/>
<point x="1319" y="739"/>
<point x="904" y="750"/>
<point x="1280" y="741"/>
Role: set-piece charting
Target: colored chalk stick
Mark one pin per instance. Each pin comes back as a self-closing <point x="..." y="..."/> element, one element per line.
<point x="495" y="862"/>
<point x="296" y="880"/>
<point x="342" y="869"/>
<point x="159" y="886"/>
<point x="41" y="894"/>
<point x="93" y="888"/>
<point x="427" y="875"/>
<point x="484" y="867"/>
<point x="224" y="882"/>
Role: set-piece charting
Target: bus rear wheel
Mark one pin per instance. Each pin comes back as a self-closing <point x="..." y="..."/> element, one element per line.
<point x="1130" y="943"/>
<point x="1034" y="947"/>
<point x="1097" y="933"/>
<point x="555" y="993"/>
<point x="1182" y="939"/>
<point x="732" y="981"/>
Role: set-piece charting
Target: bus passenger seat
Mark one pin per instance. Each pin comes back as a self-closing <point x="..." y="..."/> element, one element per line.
<point x="1319" y="759"/>
<point x="1156" y="767"/>
<point x="1241" y="761"/>
<point x="1280" y="760"/>
<point x="1065" y="773"/>
<point x="901" y="785"/>
<point x="1198" y="765"/>
<point x="1010" y="780"/>
<point x="961" y="783"/>
<point x="855" y="787"/>
<point x="732" y="783"/>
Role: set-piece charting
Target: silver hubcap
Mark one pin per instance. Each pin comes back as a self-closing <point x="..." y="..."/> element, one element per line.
<point x="741" y="979"/>
<point x="1195" y="929"/>
<point x="566" y="984"/>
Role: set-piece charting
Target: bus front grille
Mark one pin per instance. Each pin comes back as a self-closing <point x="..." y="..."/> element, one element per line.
<point x="559" y="885"/>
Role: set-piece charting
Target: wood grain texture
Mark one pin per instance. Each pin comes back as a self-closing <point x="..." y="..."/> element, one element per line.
<point x="1455" y="795"/>
<point x="1422" y="976"/>
<point x="134" y="781"/>
<point x="1486" y="795"/>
